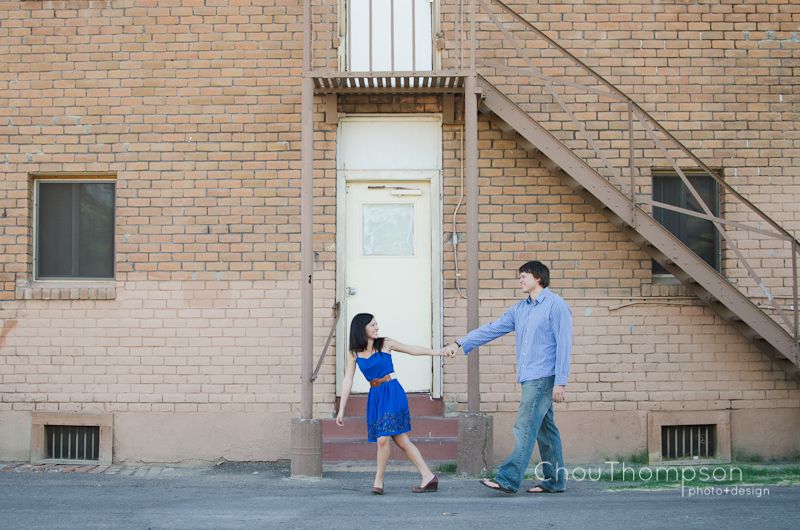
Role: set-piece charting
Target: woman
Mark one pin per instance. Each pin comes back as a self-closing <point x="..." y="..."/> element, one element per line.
<point x="388" y="417"/>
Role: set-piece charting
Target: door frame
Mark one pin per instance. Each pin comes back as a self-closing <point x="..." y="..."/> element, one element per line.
<point x="432" y="176"/>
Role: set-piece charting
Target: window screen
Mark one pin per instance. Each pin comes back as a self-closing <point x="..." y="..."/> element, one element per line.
<point x="75" y="230"/>
<point x="699" y="235"/>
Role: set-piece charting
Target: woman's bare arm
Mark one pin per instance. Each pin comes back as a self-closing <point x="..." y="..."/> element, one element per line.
<point x="390" y="344"/>
<point x="347" y="385"/>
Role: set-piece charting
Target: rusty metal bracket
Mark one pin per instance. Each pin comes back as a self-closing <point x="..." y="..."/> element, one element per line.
<point x="336" y="312"/>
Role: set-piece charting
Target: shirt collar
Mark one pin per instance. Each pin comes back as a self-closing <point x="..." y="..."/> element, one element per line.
<point x="539" y="299"/>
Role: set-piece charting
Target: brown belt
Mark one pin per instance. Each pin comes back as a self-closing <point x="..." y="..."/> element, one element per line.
<point x="385" y="379"/>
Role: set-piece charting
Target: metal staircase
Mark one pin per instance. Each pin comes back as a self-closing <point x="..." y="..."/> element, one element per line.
<point x="605" y="146"/>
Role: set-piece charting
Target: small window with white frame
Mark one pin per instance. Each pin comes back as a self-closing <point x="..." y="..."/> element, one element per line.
<point x="74" y="227"/>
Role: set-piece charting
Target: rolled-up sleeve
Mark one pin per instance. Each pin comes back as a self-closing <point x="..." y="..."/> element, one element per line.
<point x="562" y="329"/>
<point x="489" y="332"/>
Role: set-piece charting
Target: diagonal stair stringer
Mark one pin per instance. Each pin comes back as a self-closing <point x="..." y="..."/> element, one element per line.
<point x="709" y="285"/>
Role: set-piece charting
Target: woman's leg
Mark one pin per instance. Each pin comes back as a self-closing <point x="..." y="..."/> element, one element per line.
<point x="415" y="456"/>
<point x="383" y="458"/>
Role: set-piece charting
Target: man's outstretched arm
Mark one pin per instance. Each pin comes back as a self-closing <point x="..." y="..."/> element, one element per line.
<point x="486" y="333"/>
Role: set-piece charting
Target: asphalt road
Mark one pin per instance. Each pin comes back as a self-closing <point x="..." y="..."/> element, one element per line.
<point x="262" y="496"/>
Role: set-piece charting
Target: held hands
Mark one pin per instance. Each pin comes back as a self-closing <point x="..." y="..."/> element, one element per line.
<point x="449" y="350"/>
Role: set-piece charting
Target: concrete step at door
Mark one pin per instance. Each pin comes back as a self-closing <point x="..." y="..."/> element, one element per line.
<point x="434" y="435"/>
<point x="352" y="449"/>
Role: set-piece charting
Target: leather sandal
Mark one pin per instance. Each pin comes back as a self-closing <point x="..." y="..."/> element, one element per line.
<point x="499" y="486"/>
<point x="431" y="486"/>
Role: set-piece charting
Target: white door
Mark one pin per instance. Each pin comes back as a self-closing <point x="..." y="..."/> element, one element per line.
<point x="389" y="238"/>
<point x="388" y="270"/>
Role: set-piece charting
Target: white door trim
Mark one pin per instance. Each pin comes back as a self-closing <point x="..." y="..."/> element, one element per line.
<point x="434" y="175"/>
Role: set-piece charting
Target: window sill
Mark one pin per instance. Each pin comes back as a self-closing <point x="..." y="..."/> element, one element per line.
<point x="665" y="279"/>
<point x="67" y="290"/>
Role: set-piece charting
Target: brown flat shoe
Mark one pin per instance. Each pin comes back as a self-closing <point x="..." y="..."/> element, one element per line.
<point x="431" y="486"/>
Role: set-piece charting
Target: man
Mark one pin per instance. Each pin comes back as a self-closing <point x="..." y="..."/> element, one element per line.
<point x="543" y="326"/>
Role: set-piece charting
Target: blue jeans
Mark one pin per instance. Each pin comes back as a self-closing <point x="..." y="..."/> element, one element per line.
<point x="535" y="424"/>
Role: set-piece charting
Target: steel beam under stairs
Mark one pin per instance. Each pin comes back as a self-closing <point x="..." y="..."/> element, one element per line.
<point x="705" y="282"/>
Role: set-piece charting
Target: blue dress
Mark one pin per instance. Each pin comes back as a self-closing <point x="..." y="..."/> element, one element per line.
<point x="387" y="404"/>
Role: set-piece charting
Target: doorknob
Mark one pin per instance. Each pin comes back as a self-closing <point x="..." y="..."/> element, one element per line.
<point x="350" y="291"/>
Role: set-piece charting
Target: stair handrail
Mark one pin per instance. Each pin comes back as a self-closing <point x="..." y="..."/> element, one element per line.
<point x="623" y="96"/>
<point x="648" y="122"/>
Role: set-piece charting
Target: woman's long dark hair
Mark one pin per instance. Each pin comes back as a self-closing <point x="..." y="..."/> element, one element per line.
<point x="358" y="333"/>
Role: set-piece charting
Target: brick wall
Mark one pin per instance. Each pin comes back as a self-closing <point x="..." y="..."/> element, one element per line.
<point x="195" y="108"/>
<point x="638" y="345"/>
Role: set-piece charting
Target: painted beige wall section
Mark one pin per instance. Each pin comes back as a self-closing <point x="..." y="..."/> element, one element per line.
<point x="152" y="437"/>
<point x="586" y="436"/>
<point x="593" y="437"/>
<point x="192" y="438"/>
<point x="768" y="433"/>
<point x="15" y="436"/>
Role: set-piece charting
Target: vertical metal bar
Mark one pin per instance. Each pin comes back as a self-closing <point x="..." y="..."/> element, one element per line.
<point x="414" y="36"/>
<point x="60" y="443"/>
<point x="471" y="181"/>
<point x="461" y="34"/>
<point x="69" y="441"/>
<point x="472" y="36"/>
<point x="675" y="441"/>
<point x="391" y="34"/>
<point x="369" y="35"/>
<point x="794" y="296"/>
<point x="306" y="223"/>
<point x="94" y="447"/>
<point x="349" y="36"/>
<point x="76" y="228"/>
<point x="631" y="164"/>
<point x="85" y="439"/>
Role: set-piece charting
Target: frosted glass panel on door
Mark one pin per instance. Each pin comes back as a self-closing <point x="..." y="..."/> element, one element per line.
<point x="388" y="230"/>
<point x="399" y="39"/>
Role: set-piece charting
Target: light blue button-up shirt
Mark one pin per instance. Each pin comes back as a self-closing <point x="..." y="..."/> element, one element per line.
<point x="544" y="336"/>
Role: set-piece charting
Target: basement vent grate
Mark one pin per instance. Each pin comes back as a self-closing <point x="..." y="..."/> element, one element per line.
<point x="70" y="442"/>
<point x="688" y="442"/>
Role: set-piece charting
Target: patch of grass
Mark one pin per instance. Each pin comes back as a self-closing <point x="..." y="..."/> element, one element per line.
<point x="665" y="476"/>
<point x="639" y="458"/>
<point x="752" y="458"/>
<point x="446" y="468"/>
